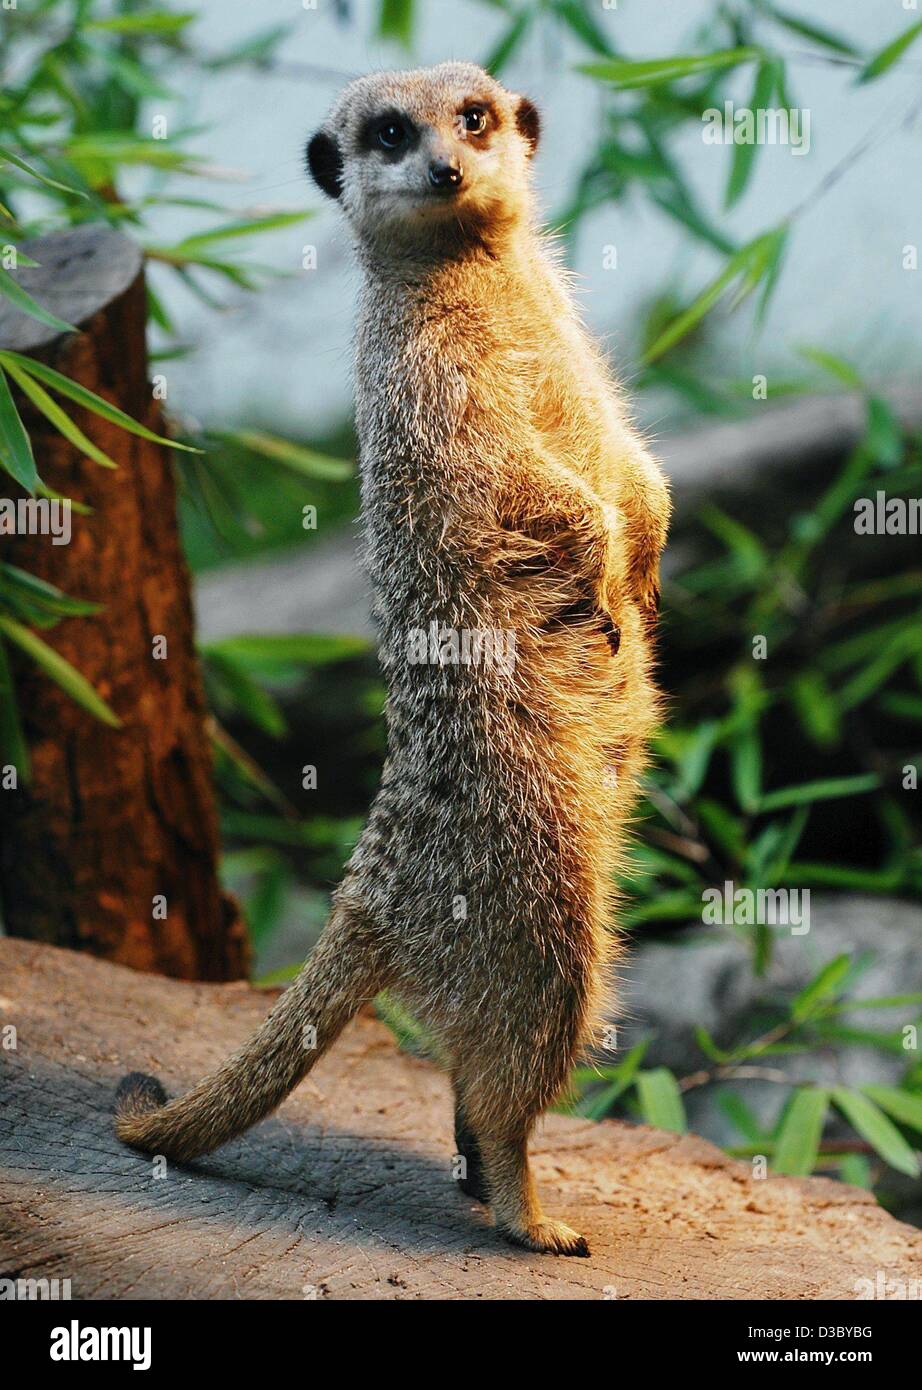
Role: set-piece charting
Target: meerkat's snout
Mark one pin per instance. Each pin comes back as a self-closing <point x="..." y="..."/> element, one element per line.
<point x="446" y="175"/>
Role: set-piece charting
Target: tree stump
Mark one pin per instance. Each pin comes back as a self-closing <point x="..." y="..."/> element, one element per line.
<point x="118" y="826"/>
<point x="347" y="1191"/>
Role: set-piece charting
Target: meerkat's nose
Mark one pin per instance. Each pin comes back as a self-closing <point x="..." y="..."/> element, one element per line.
<point x="446" y="174"/>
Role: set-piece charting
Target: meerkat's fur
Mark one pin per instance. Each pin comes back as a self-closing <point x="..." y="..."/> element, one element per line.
<point x="503" y="488"/>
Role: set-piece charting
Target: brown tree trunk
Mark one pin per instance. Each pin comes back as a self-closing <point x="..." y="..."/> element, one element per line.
<point x="112" y="847"/>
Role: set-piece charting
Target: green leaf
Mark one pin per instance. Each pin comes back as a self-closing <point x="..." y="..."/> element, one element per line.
<point x="694" y="758"/>
<point x="901" y="1105"/>
<point x="36" y="601"/>
<point x="245" y="227"/>
<point x="576" y="16"/>
<point x="750" y="264"/>
<point x="744" y="155"/>
<point x="308" y="462"/>
<point x="59" y="418"/>
<point x="836" y="366"/>
<point x="746" y="770"/>
<point x="509" y="41"/>
<point x="661" y="1100"/>
<point x="872" y="1124"/>
<point x="396" y="21"/>
<point x="266" y="904"/>
<point x="798" y="1141"/>
<point x="739" y="1114"/>
<point x="650" y="72"/>
<point x="738" y="539"/>
<point x="14" y="292"/>
<point x="152" y="22"/>
<point x="61" y="672"/>
<point x="808" y="30"/>
<point x="88" y="399"/>
<point x="11" y="158"/>
<point x="828" y="790"/>
<point x="825" y="983"/>
<point x="266" y="652"/>
<point x="883" y="438"/>
<point x="709" y="1047"/>
<point x="888" y="56"/>
<point x="15" y="450"/>
<point x="856" y="1170"/>
<point x="723" y="828"/>
<point x="249" y="698"/>
<point x="816" y="708"/>
<point x="599" y="1101"/>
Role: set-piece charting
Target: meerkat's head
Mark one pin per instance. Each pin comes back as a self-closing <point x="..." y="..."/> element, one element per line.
<point x="431" y="156"/>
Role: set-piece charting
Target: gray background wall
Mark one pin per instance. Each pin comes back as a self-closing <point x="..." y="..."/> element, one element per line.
<point x="283" y="357"/>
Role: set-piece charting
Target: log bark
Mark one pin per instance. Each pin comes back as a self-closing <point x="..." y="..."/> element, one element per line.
<point x="113" y="821"/>
<point x="346" y="1192"/>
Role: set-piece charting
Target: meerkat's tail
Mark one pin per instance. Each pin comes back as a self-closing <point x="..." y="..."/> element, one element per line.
<point x="339" y="975"/>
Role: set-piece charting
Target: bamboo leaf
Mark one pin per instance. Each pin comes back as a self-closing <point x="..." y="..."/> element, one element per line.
<point x="245" y="227"/>
<point x="824" y="984"/>
<point x="509" y="41"/>
<point x="88" y="399"/>
<point x="827" y="790"/>
<point x="58" y="417"/>
<point x="396" y="21"/>
<point x="873" y="1125"/>
<point x="808" y="30"/>
<point x="60" y="671"/>
<point x="661" y="1100"/>
<point x="308" y="462"/>
<point x="837" y="366"/>
<point x="885" y="59"/>
<point x="10" y="158"/>
<point x="650" y="72"/>
<point x="901" y="1105"/>
<point x="744" y="155"/>
<point x="798" y="1141"/>
<point x="11" y="289"/>
<point x="15" y="450"/>
<point x="152" y="22"/>
<point x="746" y="770"/>
<point x="750" y="263"/>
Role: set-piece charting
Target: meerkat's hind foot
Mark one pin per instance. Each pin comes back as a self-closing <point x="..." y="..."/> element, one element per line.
<point x="548" y="1237"/>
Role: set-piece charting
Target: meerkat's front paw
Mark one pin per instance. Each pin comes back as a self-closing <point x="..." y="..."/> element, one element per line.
<point x="548" y="1237"/>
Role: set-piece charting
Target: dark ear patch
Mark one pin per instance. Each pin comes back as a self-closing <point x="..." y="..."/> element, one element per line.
<point x="529" y="123"/>
<point x="325" y="164"/>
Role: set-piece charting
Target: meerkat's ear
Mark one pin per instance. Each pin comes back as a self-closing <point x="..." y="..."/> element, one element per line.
<point x="529" y="123"/>
<point x="325" y="163"/>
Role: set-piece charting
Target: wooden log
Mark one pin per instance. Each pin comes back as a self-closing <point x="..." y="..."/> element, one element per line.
<point x="347" y="1192"/>
<point x="114" y="821"/>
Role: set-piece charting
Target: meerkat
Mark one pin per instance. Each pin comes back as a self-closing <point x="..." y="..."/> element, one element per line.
<point x="503" y="490"/>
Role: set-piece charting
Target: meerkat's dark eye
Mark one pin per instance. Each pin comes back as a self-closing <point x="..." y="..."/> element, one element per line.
<point x="475" y="121"/>
<point x="391" y="134"/>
